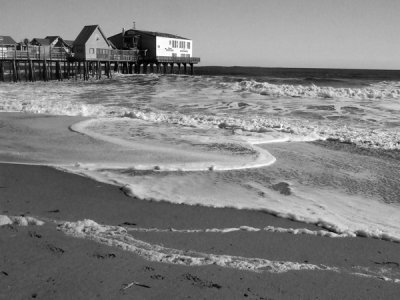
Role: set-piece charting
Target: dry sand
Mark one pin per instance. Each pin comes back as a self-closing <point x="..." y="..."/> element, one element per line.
<point x="42" y="262"/>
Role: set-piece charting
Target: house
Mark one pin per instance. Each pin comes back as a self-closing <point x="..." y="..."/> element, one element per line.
<point x="41" y="46"/>
<point x="58" y="42"/>
<point x="91" y="44"/>
<point x="156" y="46"/>
<point x="7" y="43"/>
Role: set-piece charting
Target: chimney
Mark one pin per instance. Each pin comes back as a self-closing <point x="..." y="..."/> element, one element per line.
<point x="134" y="25"/>
<point x="123" y="31"/>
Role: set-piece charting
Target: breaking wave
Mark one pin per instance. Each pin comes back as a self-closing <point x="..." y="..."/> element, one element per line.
<point x="378" y="91"/>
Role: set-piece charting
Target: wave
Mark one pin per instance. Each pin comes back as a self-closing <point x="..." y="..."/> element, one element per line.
<point x="299" y="129"/>
<point x="313" y="91"/>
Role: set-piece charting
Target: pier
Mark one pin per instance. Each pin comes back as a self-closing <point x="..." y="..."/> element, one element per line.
<point x="32" y="65"/>
<point x="93" y="55"/>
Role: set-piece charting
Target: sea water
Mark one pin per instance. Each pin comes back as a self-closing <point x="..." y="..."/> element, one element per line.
<point x="321" y="148"/>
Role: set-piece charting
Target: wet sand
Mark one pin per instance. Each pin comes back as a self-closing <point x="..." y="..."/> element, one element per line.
<point x="44" y="263"/>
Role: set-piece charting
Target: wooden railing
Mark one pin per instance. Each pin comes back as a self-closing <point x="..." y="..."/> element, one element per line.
<point x="175" y="59"/>
<point x="35" y="53"/>
<point x="116" y="55"/>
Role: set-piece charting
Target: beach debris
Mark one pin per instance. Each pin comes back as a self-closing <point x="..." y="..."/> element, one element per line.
<point x="55" y="250"/>
<point x="200" y="282"/>
<point x="157" y="168"/>
<point x="126" y="223"/>
<point x="283" y="188"/>
<point x="126" y="286"/>
<point x="104" y="256"/>
<point x="4" y="273"/>
<point x="54" y="211"/>
<point x="388" y="263"/>
<point x="211" y="168"/>
<point x="34" y="234"/>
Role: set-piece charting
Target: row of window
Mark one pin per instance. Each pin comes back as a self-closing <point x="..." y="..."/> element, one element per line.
<point x="179" y="44"/>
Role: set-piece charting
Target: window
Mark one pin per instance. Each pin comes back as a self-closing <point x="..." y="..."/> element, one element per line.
<point x="91" y="50"/>
<point x="188" y="45"/>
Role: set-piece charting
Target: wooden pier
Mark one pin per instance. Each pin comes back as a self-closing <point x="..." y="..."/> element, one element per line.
<point x="33" y="66"/>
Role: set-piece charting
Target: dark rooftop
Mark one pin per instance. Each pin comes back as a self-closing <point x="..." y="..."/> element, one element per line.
<point x="160" y="34"/>
<point x="41" y="42"/>
<point x="6" y="40"/>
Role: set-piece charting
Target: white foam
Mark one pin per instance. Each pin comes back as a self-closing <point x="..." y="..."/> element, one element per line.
<point x="117" y="237"/>
<point x="335" y="210"/>
<point x="295" y="231"/>
<point x="192" y="148"/>
<point x="20" y="221"/>
<point x="313" y="91"/>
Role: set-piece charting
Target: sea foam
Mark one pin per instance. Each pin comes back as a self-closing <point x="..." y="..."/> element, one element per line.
<point x="116" y="236"/>
<point x="313" y="91"/>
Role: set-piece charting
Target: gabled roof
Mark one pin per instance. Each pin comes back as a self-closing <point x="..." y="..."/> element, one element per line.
<point x="7" y="40"/>
<point x="160" y="34"/>
<point x="86" y="33"/>
<point x="69" y="42"/>
<point x="41" y="42"/>
<point x="52" y="38"/>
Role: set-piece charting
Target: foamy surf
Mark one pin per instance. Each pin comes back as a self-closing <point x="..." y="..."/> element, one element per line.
<point x="287" y="90"/>
<point x="116" y="236"/>
<point x="201" y="150"/>
<point x="208" y="124"/>
<point x="20" y="220"/>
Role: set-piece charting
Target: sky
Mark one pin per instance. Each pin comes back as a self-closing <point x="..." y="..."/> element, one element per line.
<point x="361" y="34"/>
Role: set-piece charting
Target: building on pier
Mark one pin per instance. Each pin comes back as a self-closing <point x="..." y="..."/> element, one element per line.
<point x="49" y="47"/>
<point x="7" y="44"/>
<point x="92" y="45"/>
<point x="156" y="47"/>
<point x="59" y="42"/>
<point x="92" y="55"/>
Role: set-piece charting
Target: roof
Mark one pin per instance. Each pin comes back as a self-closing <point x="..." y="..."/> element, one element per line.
<point x="41" y="42"/>
<point x="112" y="44"/>
<point x="86" y="33"/>
<point x="52" y="38"/>
<point x="69" y="42"/>
<point x="7" y="40"/>
<point x="160" y="34"/>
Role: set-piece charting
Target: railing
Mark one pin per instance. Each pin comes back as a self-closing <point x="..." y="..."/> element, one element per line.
<point x="120" y="55"/>
<point x="35" y="53"/>
<point x="175" y="59"/>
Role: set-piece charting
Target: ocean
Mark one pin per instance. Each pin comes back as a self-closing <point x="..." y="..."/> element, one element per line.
<point x="312" y="145"/>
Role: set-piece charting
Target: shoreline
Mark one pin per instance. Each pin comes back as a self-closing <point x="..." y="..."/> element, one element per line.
<point x="51" y="194"/>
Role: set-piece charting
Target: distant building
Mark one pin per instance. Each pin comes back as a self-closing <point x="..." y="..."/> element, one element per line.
<point x="91" y="44"/>
<point x="58" y="42"/>
<point x="42" y="46"/>
<point x="155" y="46"/>
<point x="7" y="43"/>
<point x="49" y="47"/>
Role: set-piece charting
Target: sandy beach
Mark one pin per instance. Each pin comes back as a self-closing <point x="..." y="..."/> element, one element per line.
<point x="42" y="262"/>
